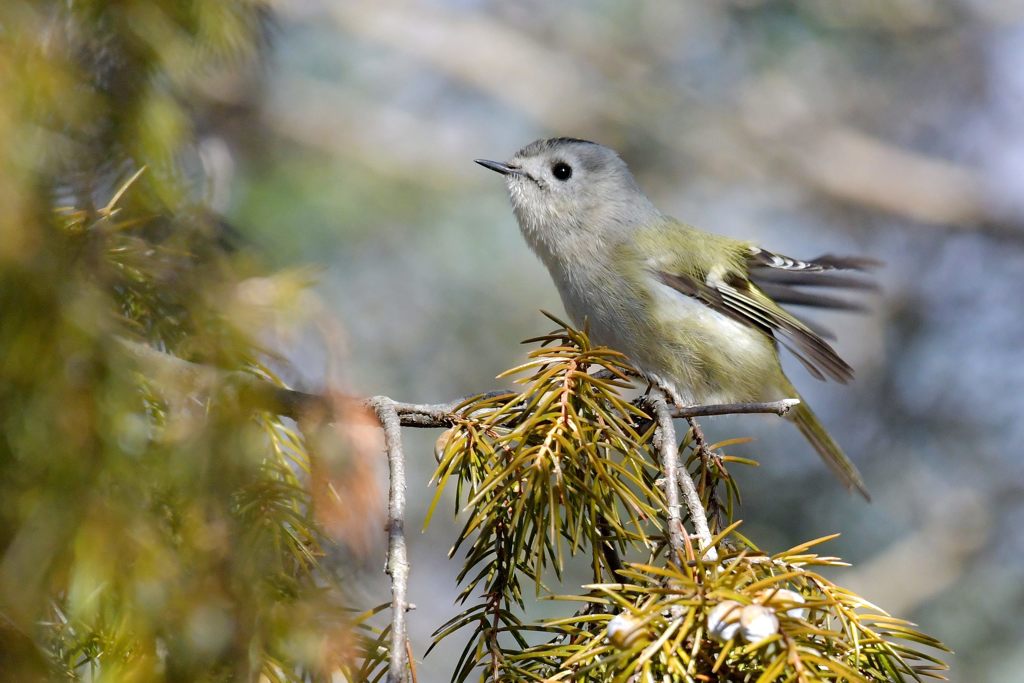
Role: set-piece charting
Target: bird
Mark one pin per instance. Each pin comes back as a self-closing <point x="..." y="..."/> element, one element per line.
<point x="700" y="315"/>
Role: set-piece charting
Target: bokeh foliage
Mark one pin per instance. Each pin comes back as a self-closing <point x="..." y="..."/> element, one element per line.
<point x="567" y="467"/>
<point x="150" y="528"/>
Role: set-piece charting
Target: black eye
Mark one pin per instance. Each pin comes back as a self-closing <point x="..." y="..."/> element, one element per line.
<point x="561" y="170"/>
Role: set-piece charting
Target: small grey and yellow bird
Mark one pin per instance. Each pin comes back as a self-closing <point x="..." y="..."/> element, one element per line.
<point x="698" y="313"/>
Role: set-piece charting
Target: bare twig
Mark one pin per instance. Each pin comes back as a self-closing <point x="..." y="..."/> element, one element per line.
<point x="780" y="407"/>
<point x="708" y="461"/>
<point x="398" y="561"/>
<point x="668" y="454"/>
<point x="433" y="415"/>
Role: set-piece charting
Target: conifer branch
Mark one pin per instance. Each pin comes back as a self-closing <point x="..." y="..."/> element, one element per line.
<point x="254" y="391"/>
<point x="607" y="432"/>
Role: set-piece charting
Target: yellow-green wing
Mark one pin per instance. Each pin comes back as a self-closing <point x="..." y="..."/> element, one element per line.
<point x="732" y="294"/>
<point x="716" y="271"/>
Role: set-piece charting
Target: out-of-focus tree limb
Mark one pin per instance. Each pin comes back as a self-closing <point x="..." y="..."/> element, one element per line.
<point x="561" y="93"/>
<point x="925" y="563"/>
<point x="856" y="168"/>
<point x="395" y="143"/>
<point x="479" y="53"/>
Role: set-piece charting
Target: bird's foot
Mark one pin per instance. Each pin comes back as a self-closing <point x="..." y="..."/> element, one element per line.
<point x="670" y="392"/>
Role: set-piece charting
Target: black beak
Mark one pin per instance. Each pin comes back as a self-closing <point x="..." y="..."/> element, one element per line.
<point x="498" y="167"/>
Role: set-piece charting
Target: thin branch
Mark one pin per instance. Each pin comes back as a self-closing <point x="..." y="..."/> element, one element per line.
<point x="434" y="415"/>
<point x="668" y="454"/>
<point x="296" y="404"/>
<point x="675" y="478"/>
<point x="708" y="460"/>
<point x="398" y="561"/>
<point x="608" y="550"/>
<point x="439" y="415"/>
<point x="780" y="407"/>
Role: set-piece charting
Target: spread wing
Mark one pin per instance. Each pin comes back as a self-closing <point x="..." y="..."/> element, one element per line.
<point x="733" y="294"/>
<point x="785" y="279"/>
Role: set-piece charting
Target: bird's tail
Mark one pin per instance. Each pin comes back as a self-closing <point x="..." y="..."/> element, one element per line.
<point x="808" y="424"/>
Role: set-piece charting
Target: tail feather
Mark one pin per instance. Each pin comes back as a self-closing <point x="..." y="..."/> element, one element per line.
<point x="808" y="424"/>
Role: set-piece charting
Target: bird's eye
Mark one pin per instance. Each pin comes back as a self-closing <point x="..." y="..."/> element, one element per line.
<point x="561" y="170"/>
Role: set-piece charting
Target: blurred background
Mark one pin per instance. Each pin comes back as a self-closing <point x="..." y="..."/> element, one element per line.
<point x="892" y="129"/>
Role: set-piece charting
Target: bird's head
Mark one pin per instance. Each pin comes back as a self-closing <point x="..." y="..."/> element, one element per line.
<point x="565" y="189"/>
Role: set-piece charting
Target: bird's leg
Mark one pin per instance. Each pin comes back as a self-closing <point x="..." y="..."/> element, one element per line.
<point x="670" y="392"/>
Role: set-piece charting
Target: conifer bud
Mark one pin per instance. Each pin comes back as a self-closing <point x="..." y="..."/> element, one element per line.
<point x="758" y="622"/>
<point x="783" y="597"/>
<point x="724" y="620"/>
<point x="442" y="443"/>
<point x="625" y="629"/>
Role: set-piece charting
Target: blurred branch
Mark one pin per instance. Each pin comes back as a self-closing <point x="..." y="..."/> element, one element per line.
<point x="850" y="166"/>
<point x="348" y="124"/>
<point x="925" y="563"/>
<point x="856" y="168"/>
<point x="398" y="561"/>
<point x="505" y="64"/>
<point x="521" y="72"/>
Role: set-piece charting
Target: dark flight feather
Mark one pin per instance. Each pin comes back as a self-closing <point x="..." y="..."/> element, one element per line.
<point x="781" y="277"/>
